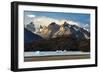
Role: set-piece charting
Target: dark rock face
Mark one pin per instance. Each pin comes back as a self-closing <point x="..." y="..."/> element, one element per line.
<point x="54" y="28"/>
<point x="30" y="27"/>
<point x="79" y="33"/>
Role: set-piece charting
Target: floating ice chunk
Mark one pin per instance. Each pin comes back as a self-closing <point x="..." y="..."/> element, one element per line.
<point x="64" y="51"/>
<point x="37" y="52"/>
<point x="57" y="51"/>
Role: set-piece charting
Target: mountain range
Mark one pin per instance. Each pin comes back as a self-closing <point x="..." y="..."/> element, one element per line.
<point x="54" y="30"/>
<point x="56" y="37"/>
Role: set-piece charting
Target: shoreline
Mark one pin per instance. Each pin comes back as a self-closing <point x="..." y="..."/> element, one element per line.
<point x="52" y="58"/>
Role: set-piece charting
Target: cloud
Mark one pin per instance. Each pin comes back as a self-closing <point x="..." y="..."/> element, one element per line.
<point x="46" y="21"/>
<point x="31" y="16"/>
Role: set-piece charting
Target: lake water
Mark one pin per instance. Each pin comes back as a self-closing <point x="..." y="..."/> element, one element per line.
<point x="51" y="53"/>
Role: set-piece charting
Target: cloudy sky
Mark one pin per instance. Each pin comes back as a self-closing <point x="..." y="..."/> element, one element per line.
<point x="48" y="17"/>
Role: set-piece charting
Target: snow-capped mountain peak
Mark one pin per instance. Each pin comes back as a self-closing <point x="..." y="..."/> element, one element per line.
<point x="51" y="28"/>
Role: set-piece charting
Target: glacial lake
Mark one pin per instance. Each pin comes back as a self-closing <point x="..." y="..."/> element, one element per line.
<point x="54" y="53"/>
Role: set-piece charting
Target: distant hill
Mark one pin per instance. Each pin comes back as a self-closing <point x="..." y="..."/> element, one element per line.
<point x="59" y="43"/>
<point x="30" y="37"/>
